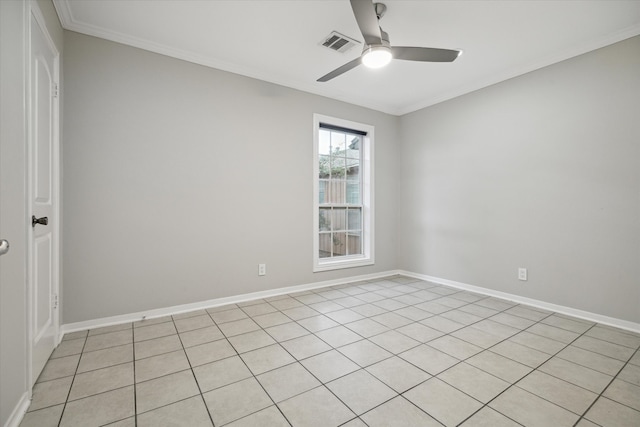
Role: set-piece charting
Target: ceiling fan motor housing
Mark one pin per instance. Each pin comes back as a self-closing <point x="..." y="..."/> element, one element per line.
<point x="380" y="9"/>
<point x="378" y="51"/>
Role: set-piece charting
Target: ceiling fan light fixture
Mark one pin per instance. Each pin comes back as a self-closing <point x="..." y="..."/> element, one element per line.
<point x="378" y="52"/>
<point x="376" y="56"/>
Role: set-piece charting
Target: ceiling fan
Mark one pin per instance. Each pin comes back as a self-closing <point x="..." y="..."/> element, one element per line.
<point x="377" y="51"/>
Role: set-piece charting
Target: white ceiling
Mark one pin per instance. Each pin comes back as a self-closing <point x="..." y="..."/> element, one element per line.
<point x="280" y="41"/>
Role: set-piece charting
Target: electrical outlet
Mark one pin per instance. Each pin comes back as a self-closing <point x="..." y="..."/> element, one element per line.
<point x="522" y="274"/>
<point x="262" y="269"/>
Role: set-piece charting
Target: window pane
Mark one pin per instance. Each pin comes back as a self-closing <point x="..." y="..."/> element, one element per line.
<point x="325" y="219"/>
<point x="324" y="250"/>
<point x="353" y="176"/>
<point x="354" y="220"/>
<point x="339" y="219"/>
<point x="353" y="147"/>
<point x="354" y="244"/>
<point x="324" y="166"/>
<point x="338" y="142"/>
<point x="353" y="170"/>
<point x="339" y="244"/>
<point x="323" y="191"/>
<point x="337" y="192"/>
<point x="353" y="192"/>
<point x="324" y="142"/>
<point x="338" y="166"/>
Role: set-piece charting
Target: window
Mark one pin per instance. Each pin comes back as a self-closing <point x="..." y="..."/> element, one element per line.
<point x="343" y="194"/>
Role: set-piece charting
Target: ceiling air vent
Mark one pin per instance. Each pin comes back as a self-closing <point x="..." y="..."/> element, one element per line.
<point x="338" y="42"/>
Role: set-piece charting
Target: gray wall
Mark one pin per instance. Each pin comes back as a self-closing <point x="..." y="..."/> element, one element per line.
<point x="13" y="215"/>
<point x="180" y="179"/>
<point x="541" y="171"/>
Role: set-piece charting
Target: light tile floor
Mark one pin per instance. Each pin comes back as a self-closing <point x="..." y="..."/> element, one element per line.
<point x="389" y="352"/>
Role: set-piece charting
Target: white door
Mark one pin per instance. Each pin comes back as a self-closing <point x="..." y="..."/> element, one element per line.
<point x="43" y="194"/>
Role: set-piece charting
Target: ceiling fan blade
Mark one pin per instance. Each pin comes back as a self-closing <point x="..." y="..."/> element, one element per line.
<point x="367" y="20"/>
<point x="425" y="54"/>
<point x="340" y="70"/>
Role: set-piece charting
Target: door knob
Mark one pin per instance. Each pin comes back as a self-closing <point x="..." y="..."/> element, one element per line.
<point x="4" y="247"/>
<point x="44" y="220"/>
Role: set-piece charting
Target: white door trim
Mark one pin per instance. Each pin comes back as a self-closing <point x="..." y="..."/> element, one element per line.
<point x="32" y="9"/>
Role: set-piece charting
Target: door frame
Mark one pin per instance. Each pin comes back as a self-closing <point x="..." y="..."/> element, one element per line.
<point x="32" y="9"/>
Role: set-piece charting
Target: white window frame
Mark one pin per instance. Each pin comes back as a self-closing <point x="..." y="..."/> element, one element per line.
<point x="366" y="171"/>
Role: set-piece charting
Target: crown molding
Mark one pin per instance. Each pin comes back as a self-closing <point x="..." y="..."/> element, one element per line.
<point x="63" y="7"/>
<point x="68" y="22"/>
<point x="508" y="74"/>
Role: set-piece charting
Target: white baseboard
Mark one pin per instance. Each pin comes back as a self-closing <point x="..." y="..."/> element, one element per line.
<point x="184" y="308"/>
<point x="18" y="412"/>
<point x="569" y="311"/>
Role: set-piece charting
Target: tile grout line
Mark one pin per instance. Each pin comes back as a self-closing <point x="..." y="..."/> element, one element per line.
<point x="607" y="386"/>
<point x="249" y="369"/>
<point x="195" y="378"/>
<point x="396" y="355"/>
<point x="237" y="354"/>
<point x="263" y="329"/>
<point x="296" y="360"/>
<point x="321" y="383"/>
<point x="484" y="405"/>
<point x="117" y="364"/>
<point x="445" y="334"/>
<point x="135" y="382"/>
<point x="613" y="377"/>
<point x="398" y="395"/>
<point x="281" y="346"/>
<point x="514" y="384"/>
<point x="459" y="360"/>
<point x="452" y="309"/>
<point x="161" y="376"/>
<point x="64" y="408"/>
<point x="364" y="302"/>
<point x="540" y="321"/>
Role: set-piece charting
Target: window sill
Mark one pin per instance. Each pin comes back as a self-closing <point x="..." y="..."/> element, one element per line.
<point x="342" y="263"/>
